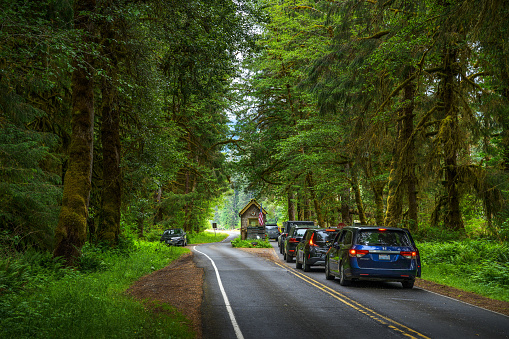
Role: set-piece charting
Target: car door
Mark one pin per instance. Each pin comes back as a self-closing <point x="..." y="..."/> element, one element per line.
<point x="345" y="245"/>
<point x="334" y="251"/>
<point x="301" y="247"/>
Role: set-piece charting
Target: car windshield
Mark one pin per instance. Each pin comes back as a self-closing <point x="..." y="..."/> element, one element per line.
<point x="325" y="235"/>
<point x="271" y="227"/>
<point x="383" y="238"/>
<point x="173" y="232"/>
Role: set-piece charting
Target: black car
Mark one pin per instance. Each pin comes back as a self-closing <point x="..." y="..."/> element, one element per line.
<point x="312" y="249"/>
<point x="373" y="253"/>
<point x="293" y="238"/>
<point x="286" y="228"/>
<point x="272" y="231"/>
<point x="174" y="237"/>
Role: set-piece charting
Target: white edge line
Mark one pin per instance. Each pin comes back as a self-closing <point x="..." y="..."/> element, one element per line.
<point x="464" y="302"/>
<point x="236" y="327"/>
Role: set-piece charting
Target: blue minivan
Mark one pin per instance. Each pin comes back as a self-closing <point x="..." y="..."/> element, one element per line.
<point x="373" y="253"/>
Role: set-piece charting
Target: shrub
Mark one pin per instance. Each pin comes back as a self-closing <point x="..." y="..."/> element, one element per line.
<point x="251" y="243"/>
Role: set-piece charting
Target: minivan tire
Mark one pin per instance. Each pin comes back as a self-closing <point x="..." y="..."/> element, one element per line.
<point x="328" y="276"/>
<point x="408" y="284"/>
<point x="343" y="281"/>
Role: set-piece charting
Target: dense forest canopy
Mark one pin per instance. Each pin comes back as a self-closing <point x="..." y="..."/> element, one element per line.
<point x="387" y="112"/>
<point x="115" y="116"/>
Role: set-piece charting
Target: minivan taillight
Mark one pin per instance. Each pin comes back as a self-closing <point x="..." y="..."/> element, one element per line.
<point x="409" y="254"/>
<point x="292" y="240"/>
<point x="358" y="253"/>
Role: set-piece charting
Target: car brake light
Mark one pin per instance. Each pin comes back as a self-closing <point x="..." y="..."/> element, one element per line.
<point x="358" y="253"/>
<point x="292" y="240"/>
<point x="382" y="229"/>
<point x="311" y="243"/>
<point x="409" y="254"/>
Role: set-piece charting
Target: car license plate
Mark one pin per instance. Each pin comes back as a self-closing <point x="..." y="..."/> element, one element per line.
<point x="384" y="256"/>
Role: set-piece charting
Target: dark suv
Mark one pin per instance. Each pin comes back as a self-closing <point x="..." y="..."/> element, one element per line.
<point x="272" y="231"/>
<point x="373" y="253"/>
<point x="286" y="228"/>
<point x="175" y="237"/>
<point x="292" y="239"/>
<point x="313" y="247"/>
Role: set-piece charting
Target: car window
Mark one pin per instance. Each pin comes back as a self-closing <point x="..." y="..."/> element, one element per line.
<point x="324" y="235"/>
<point x="383" y="238"/>
<point x="338" y="237"/>
<point x="299" y="232"/>
<point x="347" y="238"/>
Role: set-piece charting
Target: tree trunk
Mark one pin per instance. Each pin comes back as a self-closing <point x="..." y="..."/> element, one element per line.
<point x="357" y="194"/>
<point x="291" y="205"/>
<point x="449" y="135"/>
<point x="409" y="153"/>
<point x="70" y="234"/>
<point x="318" y="209"/>
<point x="378" y="193"/>
<point x="345" y="214"/>
<point x="109" y="224"/>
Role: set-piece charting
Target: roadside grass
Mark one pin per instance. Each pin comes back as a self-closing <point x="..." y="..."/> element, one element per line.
<point x="205" y="237"/>
<point x="251" y="243"/>
<point x="41" y="299"/>
<point x="479" y="266"/>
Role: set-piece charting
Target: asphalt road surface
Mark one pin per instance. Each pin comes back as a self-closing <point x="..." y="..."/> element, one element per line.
<point x="248" y="296"/>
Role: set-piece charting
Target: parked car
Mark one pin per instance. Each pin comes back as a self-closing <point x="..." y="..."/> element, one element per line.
<point x="313" y="247"/>
<point x="286" y="228"/>
<point x="272" y="231"/>
<point x="293" y="238"/>
<point x="373" y="253"/>
<point x="174" y="237"/>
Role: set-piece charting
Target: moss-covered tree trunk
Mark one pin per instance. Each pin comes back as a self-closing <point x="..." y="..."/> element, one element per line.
<point x="394" y="195"/>
<point x="109" y="223"/>
<point x="70" y="234"/>
<point x="377" y="187"/>
<point x="291" y="205"/>
<point x="409" y="154"/>
<point x="378" y="196"/>
<point x="316" y="202"/>
<point x="449" y="137"/>
<point x="357" y="193"/>
<point x="402" y="171"/>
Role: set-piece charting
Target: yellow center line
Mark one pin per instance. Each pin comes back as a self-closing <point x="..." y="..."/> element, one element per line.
<point x="402" y="329"/>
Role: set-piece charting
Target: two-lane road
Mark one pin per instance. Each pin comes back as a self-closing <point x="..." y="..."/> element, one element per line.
<point x="247" y="296"/>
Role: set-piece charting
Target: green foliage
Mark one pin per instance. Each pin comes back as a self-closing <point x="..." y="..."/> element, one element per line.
<point x="481" y="262"/>
<point x="87" y="304"/>
<point x="205" y="237"/>
<point x="251" y="243"/>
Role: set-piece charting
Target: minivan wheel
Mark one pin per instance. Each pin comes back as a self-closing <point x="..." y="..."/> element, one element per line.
<point x="328" y="276"/>
<point x="408" y="284"/>
<point x="343" y="281"/>
<point x="307" y="267"/>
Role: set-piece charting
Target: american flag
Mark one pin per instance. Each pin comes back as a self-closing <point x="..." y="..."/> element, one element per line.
<point x="260" y="216"/>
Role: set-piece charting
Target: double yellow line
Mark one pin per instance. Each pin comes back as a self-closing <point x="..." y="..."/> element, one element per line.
<point x="392" y="324"/>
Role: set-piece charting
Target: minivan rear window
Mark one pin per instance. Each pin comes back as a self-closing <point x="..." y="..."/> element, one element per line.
<point x="383" y="238"/>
